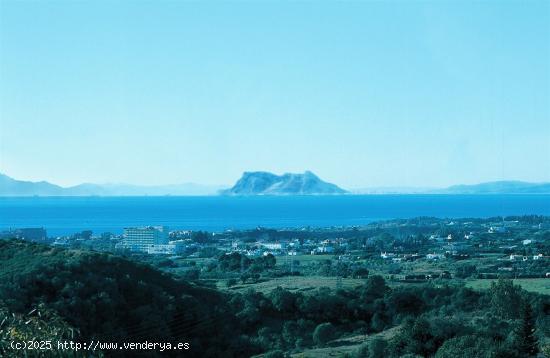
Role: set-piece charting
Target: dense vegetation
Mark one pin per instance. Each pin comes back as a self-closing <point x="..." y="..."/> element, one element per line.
<point x="433" y="320"/>
<point x="105" y="297"/>
<point x="110" y="299"/>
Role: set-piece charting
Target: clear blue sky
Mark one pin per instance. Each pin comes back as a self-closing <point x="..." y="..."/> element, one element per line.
<point x="363" y="94"/>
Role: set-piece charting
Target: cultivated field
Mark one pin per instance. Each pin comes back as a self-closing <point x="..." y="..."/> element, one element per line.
<point x="540" y="285"/>
<point x="297" y="283"/>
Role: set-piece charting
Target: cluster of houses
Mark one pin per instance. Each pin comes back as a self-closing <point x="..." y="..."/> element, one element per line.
<point x="514" y="257"/>
<point x="396" y="258"/>
<point x="290" y="247"/>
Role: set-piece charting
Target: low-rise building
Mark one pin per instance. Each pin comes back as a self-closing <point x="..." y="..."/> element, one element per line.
<point x="274" y="245"/>
<point x="434" y="256"/>
<point x="168" y="249"/>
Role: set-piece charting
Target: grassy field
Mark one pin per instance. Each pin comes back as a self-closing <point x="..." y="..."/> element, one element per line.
<point x="197" y="260"/>
<point x="282" y="261"/>
<point x="311" y="283"/>
<point x="540" y="285"/>
<point x="304" y="259"/>
<point x="344" y="346"/>
<point x="296" y="283"/>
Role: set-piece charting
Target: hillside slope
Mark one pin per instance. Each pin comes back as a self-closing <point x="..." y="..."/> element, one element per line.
<point x="112" y="299"/>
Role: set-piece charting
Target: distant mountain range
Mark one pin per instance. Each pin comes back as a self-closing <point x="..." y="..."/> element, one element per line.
<point x="265" y="183"/>
<point x="497" y="187"/>
<point x="13" y="187"/>
<point x="254" y="183"/>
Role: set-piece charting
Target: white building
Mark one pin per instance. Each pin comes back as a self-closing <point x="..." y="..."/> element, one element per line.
<point x="140" y="239"/>
<point x="434" y="256"/>
<point x="168" y="249"/>
<point x="274" y="245"/>
<point x="322" y="250"/>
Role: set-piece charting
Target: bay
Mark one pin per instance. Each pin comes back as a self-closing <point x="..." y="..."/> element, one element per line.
<point x="67" y="215"/>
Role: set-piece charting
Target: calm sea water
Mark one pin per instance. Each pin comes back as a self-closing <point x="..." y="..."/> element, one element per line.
<point x="66" y="215"/>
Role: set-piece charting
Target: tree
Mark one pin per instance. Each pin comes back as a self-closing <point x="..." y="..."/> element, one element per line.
<point x="408" y="302"/>
<point x="233" y="262"/>
<point x="342" y="269"/>
<point x="465" y="271"/>
<point x="244" y="276"/>
<point x="360" y="272"/>
<point x="265" y="338"/>
<point x="375" y="287"/>
<point x="283" y="300"/>
<point x="323" y="333"/>
<point x="270" y="261"/>
<point x="506" y="299"/>
<point x="525" y="340"/>
<point x="201" y="237"/>
<point x="468" y="346"/>
<point x="421" y="338"/>
<point x="263" y="263"/>
<point x="415" y="337"/>
<point x="290" y="333"/>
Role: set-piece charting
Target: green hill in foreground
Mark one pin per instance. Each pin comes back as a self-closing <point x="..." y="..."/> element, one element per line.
<point x="111" y="299"/>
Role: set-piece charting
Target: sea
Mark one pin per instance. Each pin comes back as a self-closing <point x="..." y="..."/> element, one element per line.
<point x="68" y="215"/>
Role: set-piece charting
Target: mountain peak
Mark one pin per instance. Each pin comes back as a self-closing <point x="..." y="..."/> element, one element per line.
<point x="266" y="183"/>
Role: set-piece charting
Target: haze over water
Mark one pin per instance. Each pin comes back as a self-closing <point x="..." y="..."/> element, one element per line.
<point x="67" y="215"/>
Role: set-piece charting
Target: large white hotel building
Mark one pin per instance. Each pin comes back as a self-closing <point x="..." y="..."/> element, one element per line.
<point x="144" y="238"/>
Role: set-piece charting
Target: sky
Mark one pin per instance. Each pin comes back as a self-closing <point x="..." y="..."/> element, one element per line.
<point x="364" y="94"/>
